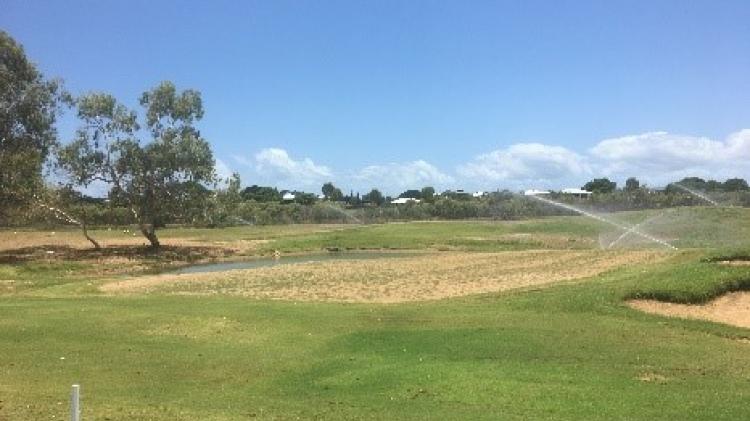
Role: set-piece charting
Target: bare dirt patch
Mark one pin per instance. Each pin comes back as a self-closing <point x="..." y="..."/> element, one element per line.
<point x="735" y="262"/>
<point x="116" y="249"/>
<point x="650" y="377"/>
<point x="732" y="309"/>
<point x="427" y="277"/>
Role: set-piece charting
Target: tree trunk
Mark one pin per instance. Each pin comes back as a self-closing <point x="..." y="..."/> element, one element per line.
<point x="149" y="232"/>
<point x="63" y="216"/>
<point x="88" y="237"/>
<point x="85" y="230"/>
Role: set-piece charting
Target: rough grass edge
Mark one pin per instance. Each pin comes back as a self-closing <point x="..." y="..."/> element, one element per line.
<point x="693" y="297"/>
<point x="728" y="255"/>
<point x="712" y="285"/>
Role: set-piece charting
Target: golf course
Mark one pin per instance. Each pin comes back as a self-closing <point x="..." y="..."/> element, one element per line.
<point x="374" y="210"/>
<point x="532" y="319"/>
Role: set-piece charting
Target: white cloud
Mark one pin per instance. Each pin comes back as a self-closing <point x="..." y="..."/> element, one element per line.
<point x="396" y="177"/>
<point x="222" y="170"/>
<point x="279" y="162"/>
<point x="661" y="157"/>
<point x="242" y="160"/>
<point x="738" y="145"/>
<point x="655" y="158"/>
<point x="525" y="163"/>
<point x="274" y="166"/>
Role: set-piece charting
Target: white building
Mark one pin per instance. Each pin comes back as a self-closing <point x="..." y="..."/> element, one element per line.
<point x="534" y="192"/>
<point x="288" y="196"/>
<point x="404" y="200"/>
<point x="479" y="194"/>
<point x="576" y="192"/>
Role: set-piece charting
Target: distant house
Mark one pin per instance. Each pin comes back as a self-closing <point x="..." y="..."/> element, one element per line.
<point x="404" y="200"/>
<point x="288" y="197"/>
<point x="577" y="192"/>
<point x="479" y="194"/>
<point x="534" y="192"/>
<point x="460" y="193"/>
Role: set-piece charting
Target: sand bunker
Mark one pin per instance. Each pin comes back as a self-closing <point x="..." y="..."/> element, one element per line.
<point x="732" y="309"/>
<point x="425" y="277"/>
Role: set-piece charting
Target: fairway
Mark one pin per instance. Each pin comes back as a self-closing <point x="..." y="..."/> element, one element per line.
<point x="479" y="320"/>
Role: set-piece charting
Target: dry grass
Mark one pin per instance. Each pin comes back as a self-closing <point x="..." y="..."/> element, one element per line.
<point x="10" y="241"/>
<point x="732" y="309"/>
<point x="15" y="240"/>
<point x="178" y="244"/>
<point x="119" y="253"/>
<point x="735" y="262"/>
<point x="428" y="277"/>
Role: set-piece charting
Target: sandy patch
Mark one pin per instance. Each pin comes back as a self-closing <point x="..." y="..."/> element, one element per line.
<point x="426" y="277"/>
<point x="551" y="241"/>
<point x="650" y="377"/>
<point x="735" y="262"/>
<point x="732" y="309"/>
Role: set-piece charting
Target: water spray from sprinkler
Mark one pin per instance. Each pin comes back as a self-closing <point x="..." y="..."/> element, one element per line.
<point x="696" y="194"/>
<point x="345" y="214"/>
<point x="632" y="230"/>
<point x="626" y="228"/>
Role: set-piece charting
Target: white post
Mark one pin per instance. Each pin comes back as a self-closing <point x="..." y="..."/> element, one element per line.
<point x="75" y="404"/>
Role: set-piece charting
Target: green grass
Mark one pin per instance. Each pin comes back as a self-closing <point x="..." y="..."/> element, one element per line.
<point x="684" y="227"/>
<point x="697" y="227"/>
<point x="566" y="352"/>
<point x="572" y="352"/>
<point x="694" y="282"/>
<point x="571" y="232"/>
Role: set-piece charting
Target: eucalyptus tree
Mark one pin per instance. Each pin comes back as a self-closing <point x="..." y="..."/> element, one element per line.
<point x="92" y="156"/>
<point x="163" y="177"/>
<point x="29" y="105"/>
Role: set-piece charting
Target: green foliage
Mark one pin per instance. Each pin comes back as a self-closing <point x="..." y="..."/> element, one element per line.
<point x="29" y="105"/>
<point x="107" y="129"/>
<point x="735" y="184"/>
<point x="701" y="185"/>
<point x="375" y="197"/>
<point x="696" y="183"/>
<point x="428" y="194"/>
<point x="632" y="184"/>
<point x="305" y="198"/>
<point x="222" y="209"/>
<point x="163" y="179"/>
<point x="600" y="185"/>
<point x="411" y="194"/>
<point x="261" y="194"/>
<point x="332" y="192"/>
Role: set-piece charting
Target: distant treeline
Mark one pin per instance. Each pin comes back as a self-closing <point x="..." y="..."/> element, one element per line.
<point x="257" y="205"/>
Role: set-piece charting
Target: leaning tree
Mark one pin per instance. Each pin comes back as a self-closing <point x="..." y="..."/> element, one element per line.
<point x="163" y="177"/>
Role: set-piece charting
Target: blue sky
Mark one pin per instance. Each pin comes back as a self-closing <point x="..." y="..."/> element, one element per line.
<point x="396" y="95"/>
